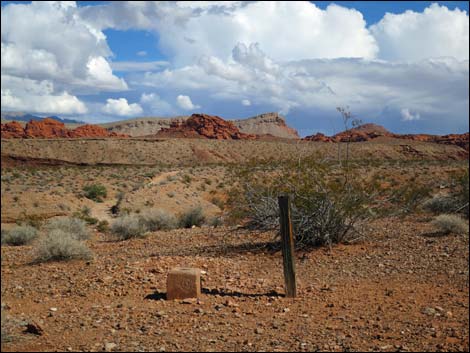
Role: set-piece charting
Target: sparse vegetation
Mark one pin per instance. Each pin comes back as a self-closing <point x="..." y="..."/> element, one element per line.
<point x="441" y="204"/>
<point x="20" y="235"/>
<point x="95" y="192"/>
<point x="127" y="227"/>
<point x="73" y="226"/>
<point x="192" y="217"/>
<point x="327" y="202"/>
<point x="157" y="219"/>
<point x="59" y="245"/>
<point x="449" y="223"/>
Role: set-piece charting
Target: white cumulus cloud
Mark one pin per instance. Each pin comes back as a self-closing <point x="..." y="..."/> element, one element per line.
<point x="435" y="32"/>
<point x="121" y="107"/>
<point x="184" y="102"/>
<point x="246" y="102"/>
<point x="49" y="41"/>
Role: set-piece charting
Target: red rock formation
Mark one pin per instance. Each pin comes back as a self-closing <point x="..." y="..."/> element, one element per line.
<point x="12" y="130"/>
<point x="205" y="126"/>
<point x="50" y="128"/>
<point x="369" y="132"/>
<point x="93" y="131"/>
<point x="46" y="128"/>
<point x="319" y="137"/>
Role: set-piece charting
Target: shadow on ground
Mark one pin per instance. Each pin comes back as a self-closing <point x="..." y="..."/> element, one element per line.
<point x="220" y="292"/>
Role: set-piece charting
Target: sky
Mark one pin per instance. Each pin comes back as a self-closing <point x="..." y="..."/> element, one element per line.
<point x="403" y="65"/>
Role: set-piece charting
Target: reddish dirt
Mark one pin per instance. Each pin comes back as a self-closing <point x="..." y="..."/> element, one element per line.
<point x="205" y="126"/>
<point x="50" y="128"/>
<point x="400" y="289"/>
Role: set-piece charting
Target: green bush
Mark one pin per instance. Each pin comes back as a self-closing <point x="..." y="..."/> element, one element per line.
<point x="441" y="204"/>
<point x="327" y="201"/>
<point x="156" y="219"/>
<point x="192" y="217"/>
<point x="127" y="227"/>
<point x="95" y="192"/>
<point x="58" y="245"/>
<point x="20" y="235"/>
<point x="449" y="223"/>
<point x="73" y="226"/>
<point x="103" y="226"/>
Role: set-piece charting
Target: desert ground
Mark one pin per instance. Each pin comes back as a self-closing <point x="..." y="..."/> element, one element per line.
<point x="403" y="286"/>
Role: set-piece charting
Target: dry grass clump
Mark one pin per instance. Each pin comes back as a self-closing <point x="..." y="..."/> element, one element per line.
<point x="157" y="219"/>
<point x="59" y="245"/>
<point x="192" y="217"/>
<point x="73" y="226"/>
<point x="449" y="223"/>
<point x="127" y="227"/>
<point x="20" y="235"/>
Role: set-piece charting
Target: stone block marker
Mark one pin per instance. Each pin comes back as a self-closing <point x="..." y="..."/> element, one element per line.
<point x="183" y="282"/>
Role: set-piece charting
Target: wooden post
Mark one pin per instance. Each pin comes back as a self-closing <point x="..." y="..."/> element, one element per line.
<point x="287" y="243"/>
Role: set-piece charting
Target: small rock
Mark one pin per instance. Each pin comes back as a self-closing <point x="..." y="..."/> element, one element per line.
<point x="259" y="331"/>
<point x="108" y="347"/>
<point x="53" y="309"/>
<point x="429" y="311"/>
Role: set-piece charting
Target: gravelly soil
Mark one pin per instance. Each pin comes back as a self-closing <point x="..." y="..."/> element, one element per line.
<point x="402" y="288"/>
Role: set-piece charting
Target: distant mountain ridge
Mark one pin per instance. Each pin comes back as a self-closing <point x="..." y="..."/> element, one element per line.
<point x="26" y="117"/>
<point x="263" y="124"/>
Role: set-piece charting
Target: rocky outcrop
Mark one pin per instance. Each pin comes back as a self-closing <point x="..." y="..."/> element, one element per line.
<point x="93" y="131"/>
<point x="50" y="128"/>
<point x="47" y="128"/>
<point x="12" y="130"/>
<point x="369" y="132"/>
<point x="205" y="126"/>
<point x="142" y="126"/>
<point x="267" y="124"/>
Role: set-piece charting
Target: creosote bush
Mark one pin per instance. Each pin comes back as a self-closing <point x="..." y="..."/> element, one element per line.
<point x="327" y="202"/>
<point x="73" y="226"/>
<point x="127" y="227"/>
<point x="95" y="192"/>
<point x="20" y="235"/>
<point x="192" y="217"/>
<point x="449" y="223"/>
<point x="59" y="245"/>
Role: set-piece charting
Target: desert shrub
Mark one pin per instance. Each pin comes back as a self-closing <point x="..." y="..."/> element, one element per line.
<point x="216" y="221"/>
<point x="409" y="196"/>
<point x="129" y="226"/>
<point x="20" y="235"/>
<point x="461" y="191"/>
<point x="192" y="217"/>
<point x="32" y="220"/>
<point x="156" y="219"/>
<point x="449" y="223"/>
<point x="85" y="215"/>
<point x="441" y="204"/>
<point x="103" y="226"/>
<point x="327" y="202"/>
<point x="59" y="245"/>
<point x="95" y="192"/>
<point x="73" y="226"/>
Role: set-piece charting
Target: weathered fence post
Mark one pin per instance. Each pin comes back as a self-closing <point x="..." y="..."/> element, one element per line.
<point x="287" y="243"/>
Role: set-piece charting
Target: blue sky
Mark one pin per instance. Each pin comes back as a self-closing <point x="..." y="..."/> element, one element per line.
<point x="400" y="64"/>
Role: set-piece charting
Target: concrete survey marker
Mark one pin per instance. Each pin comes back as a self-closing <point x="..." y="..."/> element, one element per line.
<point x="183" y="282"/>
